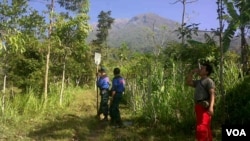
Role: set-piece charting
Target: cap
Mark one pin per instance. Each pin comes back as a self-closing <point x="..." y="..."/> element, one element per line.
<point x="102" y="69"/>
<point x="116" y="71"/>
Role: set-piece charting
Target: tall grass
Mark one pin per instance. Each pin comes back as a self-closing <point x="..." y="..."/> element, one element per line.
<point x="31" y="106"/>
<point x="160" y="96"/>
<point x="231" y="79"/>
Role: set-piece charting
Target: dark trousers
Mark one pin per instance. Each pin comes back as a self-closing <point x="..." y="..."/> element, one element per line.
<point x="104" y="108"/>
<point x="114" y="109"/>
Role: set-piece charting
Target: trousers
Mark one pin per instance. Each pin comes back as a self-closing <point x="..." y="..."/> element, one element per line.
<point x="104" y="108"/>
<point x="203" y="123"/>
<point x="114" y="109"/>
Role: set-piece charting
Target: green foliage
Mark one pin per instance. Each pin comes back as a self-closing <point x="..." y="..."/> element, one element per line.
<point x="21" y="57"/>
<point x="155" y="84"/>
<point x="194" y="53"/>
<point x="104" y="24"/>
<point x="187" y="31"/>
<point x="239" y="18"/>
<point x="26" y="70"/>
<point x="70" y="48"/>
<point x="30" y="104"/>
<point x="158" y="95"/>
<point x="24" y="46"/>
<point x="238" y="103"/>
<point x="76" y="5"/>
<point x="156" y="91"/>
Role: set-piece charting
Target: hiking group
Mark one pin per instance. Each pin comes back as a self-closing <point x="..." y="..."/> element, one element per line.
<point x="204" y="98"/>
<point x="110" y="108"/>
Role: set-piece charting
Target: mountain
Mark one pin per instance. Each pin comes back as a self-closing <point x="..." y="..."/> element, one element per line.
<point x="138" y="31"/>
<point x="146" y="31"/>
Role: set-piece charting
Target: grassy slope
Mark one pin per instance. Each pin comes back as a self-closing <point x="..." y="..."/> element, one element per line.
<point x="77" y="122"/>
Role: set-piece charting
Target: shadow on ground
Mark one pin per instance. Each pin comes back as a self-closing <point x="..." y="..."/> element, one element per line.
<point x="69" y="127"/>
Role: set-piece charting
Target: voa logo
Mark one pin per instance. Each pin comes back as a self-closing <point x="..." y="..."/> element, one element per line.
<point x="236" y="132"/>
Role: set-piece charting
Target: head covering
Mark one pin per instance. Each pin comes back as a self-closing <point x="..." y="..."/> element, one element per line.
<point x="116" y="71"/>
<point x="102" y="69"/>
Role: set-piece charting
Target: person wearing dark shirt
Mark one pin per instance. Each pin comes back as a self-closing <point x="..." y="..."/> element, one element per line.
<point x="103" y="85"/>
<point x="204" y="98"/>
<point x="117" y="90"/>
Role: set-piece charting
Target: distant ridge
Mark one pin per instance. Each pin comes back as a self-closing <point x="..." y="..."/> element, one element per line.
<point x="138" y="31"/>
<point x="145" y="31"/>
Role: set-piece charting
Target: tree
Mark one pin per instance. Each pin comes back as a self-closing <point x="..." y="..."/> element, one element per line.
<point x="69" y="57"/>
<point x="24" y="34"/>
<point x="158" y="40"/>
<point x="238" y="18"/>
<point x="220" y="12"/>
<point x="79" y="6"/>
<point x="185" y="29"/>
<point x="17" y="36"/>
<point x="104" y="24"/>
<point x="51" y="11"/>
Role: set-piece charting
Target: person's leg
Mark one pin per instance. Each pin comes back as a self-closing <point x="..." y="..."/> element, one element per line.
<point x="118" y="115"/>
<point x="100" y="107"/>
<point x="203" y="120"/>
<point x="114" y="109"/>
<point x="210" y="134"/>
<point x="111" y="112"/>
<point x="105" y="107"/>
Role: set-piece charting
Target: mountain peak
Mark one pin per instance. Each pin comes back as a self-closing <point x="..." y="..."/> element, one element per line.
<point x="137" y="31"/>
<point x="151" y="19"/>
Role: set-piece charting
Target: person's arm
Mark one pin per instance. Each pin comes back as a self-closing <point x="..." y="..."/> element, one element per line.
<point x="112" y="91"/>
<point x="212" y="99"/>
<point x="123" y="85"/>
<point x="99" y="82"/>
<point x="112" y="95"/>
<point x="189" y="78"/>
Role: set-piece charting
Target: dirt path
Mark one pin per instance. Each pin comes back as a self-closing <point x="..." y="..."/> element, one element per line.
<point x="96" y="130"/>
<point x="78" y="122"/>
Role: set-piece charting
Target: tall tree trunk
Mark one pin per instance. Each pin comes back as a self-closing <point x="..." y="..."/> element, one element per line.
<point x="220" y="15"/>
<point x="182" y="21"/>
<point x="5" y="73"/>
<point x="244" y="50"/>
<point x="3" y="96"/>
<point x="4" y="83"/>
<point x="48" y="50"/>
<point x="63" y="79"/>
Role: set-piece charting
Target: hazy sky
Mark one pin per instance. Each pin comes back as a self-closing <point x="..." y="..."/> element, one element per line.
<point x="201" y="11"/>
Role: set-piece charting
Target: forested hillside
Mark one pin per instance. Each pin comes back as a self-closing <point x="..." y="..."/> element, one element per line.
<point x="144" y="32"/>
<point x="49" y="69"/>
